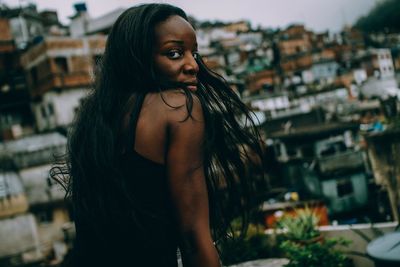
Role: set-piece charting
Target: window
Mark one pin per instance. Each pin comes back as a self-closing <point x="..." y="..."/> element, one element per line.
<point x="96" y="59"/>
<point x="344" y="188"/>
<point x="50" y="108"/>
<point x="34" y="76"/>
<point x="96" y="62"/>
<point x="43" y="111"/>
<point x="62" y="64"/>
<point x="45" y="216"/>
<point x="328" y="68"/>
<point x="3" y="187"/>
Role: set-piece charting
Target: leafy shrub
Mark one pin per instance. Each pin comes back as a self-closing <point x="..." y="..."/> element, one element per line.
<point x="301" y="226"/>
<point x="304" y="246"/>
<point x="254" y="245"/>
<point x="316" y="254"/>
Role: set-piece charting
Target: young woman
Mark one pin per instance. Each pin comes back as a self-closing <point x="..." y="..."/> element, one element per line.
<point x="156" y="157"/>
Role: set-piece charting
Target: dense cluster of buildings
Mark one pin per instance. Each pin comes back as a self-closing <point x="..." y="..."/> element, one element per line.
<point x="314" y="94"/>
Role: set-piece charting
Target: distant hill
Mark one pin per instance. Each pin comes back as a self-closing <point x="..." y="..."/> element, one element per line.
<point x="385" y="16"/>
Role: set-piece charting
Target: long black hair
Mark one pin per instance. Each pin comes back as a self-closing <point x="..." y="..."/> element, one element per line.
<point x="90" y="172"/>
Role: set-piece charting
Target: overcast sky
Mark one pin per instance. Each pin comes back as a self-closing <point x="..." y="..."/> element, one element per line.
<point x="317" y="15"/>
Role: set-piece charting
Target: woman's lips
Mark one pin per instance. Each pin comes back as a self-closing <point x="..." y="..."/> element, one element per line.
<point x="192" y="86"/>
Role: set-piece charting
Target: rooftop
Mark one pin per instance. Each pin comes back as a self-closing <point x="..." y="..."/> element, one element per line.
<point x="33" y="143"/>
<point x="311" y="133"/>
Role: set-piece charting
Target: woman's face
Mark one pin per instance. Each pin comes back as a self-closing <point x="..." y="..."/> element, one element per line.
<point x="175" y="51"/>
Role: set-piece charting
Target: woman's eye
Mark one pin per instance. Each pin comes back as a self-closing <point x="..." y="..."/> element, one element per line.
<point x="174" y="54"/>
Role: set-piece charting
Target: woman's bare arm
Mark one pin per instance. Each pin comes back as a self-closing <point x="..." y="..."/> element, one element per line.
<point x="188" y="186"/>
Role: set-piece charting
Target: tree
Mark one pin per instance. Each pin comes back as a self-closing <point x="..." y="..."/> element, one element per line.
<point x="383" y="17"/>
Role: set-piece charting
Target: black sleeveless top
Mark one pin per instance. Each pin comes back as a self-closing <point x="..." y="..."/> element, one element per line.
<point x="155" y="242"/>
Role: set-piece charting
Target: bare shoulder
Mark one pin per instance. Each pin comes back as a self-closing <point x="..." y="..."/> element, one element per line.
<point x="178" y="107"/>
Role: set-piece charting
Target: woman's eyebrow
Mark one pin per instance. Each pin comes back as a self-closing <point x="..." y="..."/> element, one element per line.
<point x="179" y="42"/>
<point x="174" y="41"/>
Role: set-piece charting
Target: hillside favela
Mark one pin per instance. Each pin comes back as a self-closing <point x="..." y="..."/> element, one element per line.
<point x="327" y="105"/>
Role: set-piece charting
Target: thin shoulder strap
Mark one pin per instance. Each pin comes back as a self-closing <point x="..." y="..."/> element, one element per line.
<point x="133" y="119"/>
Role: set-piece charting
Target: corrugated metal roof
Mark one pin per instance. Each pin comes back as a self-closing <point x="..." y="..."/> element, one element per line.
<point x="104" y="22"/>
<point x="33" y="143"/>
<point x="258" y="118"/>
<point x="10" y="184"/>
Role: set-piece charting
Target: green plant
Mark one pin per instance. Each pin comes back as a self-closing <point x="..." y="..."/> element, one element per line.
<point x="394" y="123"/>
<point x="303" y="244"/>
<point x="301" y="226"/>
<point x="253" y="245"/>
<point x="323" y="253"/>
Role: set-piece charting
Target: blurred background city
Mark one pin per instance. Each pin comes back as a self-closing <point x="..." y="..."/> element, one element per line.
<point x="322" y="78"/>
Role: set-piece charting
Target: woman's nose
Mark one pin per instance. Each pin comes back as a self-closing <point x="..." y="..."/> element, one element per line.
<point x="191" y="66"/>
